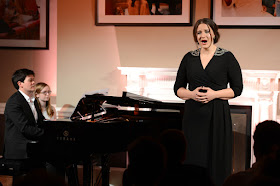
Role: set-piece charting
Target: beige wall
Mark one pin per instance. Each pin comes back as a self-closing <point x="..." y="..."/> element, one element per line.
<point x="88" y="55"/>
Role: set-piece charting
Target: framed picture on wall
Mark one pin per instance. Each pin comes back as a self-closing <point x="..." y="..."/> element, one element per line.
<point x="144" y="12"/>
<point x="246" y="13"/>
<point x="24" y="24"/>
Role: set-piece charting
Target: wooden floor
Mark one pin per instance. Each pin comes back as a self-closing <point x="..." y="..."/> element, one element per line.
<point x="6" y="180"/>
<point x="115" y="176"/>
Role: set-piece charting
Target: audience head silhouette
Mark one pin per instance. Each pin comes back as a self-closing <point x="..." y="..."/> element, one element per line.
<point x="265" y="171"/>
<point x="267" y="152"/>
<point x="175" y="144"/>
<point x="146" y="162"/>
<point x="266" y="139"/>
<point x="177" y="173"/>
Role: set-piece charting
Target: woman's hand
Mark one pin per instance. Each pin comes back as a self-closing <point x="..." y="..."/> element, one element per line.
<point x="195" y="94"/>
<point x="204" y="94"/>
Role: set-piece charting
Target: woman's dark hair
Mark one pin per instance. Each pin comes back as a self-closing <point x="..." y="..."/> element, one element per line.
<point x="208" y="22"/>
<point x="20" y="75"/>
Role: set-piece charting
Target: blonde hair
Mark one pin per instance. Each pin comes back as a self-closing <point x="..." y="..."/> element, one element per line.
<point x="39" y="87"/>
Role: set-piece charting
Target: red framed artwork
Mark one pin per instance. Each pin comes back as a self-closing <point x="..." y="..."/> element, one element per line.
<point x="246" y="13"/>
<point x="144" y="12"/>
<point x="24" y="24"/>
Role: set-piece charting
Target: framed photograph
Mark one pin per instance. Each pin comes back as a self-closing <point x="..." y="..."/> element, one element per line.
<point x="246" y="13"/>
<point x="24" y="24"/>
<point x="144" y="12"/>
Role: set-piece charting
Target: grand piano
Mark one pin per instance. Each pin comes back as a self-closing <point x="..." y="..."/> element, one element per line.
<point x="104" y="125"/>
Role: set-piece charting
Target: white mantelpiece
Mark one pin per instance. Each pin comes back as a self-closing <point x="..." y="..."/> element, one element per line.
<point x="261" y="89"/>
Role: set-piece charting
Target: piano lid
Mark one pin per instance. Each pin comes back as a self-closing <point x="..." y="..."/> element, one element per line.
<point x="93" y="105"/>
<point x="131" y="100"/>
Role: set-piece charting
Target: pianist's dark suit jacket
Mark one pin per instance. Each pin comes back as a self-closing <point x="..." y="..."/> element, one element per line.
<point x="20" y="126"/>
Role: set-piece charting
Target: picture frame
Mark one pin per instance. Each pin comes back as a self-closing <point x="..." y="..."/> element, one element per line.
<point x="244" y="14"/>
<point x="27" y="28"/>
<point x="143" y="13"/>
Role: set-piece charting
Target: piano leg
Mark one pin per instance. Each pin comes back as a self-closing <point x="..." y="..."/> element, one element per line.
<point x="105" y="169"/>
<point x="72" y="174"/>
<point x="87" y="172"/>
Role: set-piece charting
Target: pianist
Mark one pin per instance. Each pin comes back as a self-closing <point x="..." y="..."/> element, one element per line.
<point x="22" y="122"/>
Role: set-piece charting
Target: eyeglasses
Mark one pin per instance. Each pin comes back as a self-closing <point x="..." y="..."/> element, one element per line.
<point x="46" y="92"/>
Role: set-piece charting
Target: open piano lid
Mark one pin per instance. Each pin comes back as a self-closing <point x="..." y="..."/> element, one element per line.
<point x="93" y="104"/>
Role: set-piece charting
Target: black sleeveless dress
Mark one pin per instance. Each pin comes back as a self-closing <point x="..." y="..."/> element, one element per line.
<point x="208" y="127"/>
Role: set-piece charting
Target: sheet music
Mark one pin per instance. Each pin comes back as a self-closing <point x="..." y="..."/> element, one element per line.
<point x="103" y="111"/>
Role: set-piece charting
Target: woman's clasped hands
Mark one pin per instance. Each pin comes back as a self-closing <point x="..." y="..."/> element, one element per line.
<point x="203" y="94"/>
